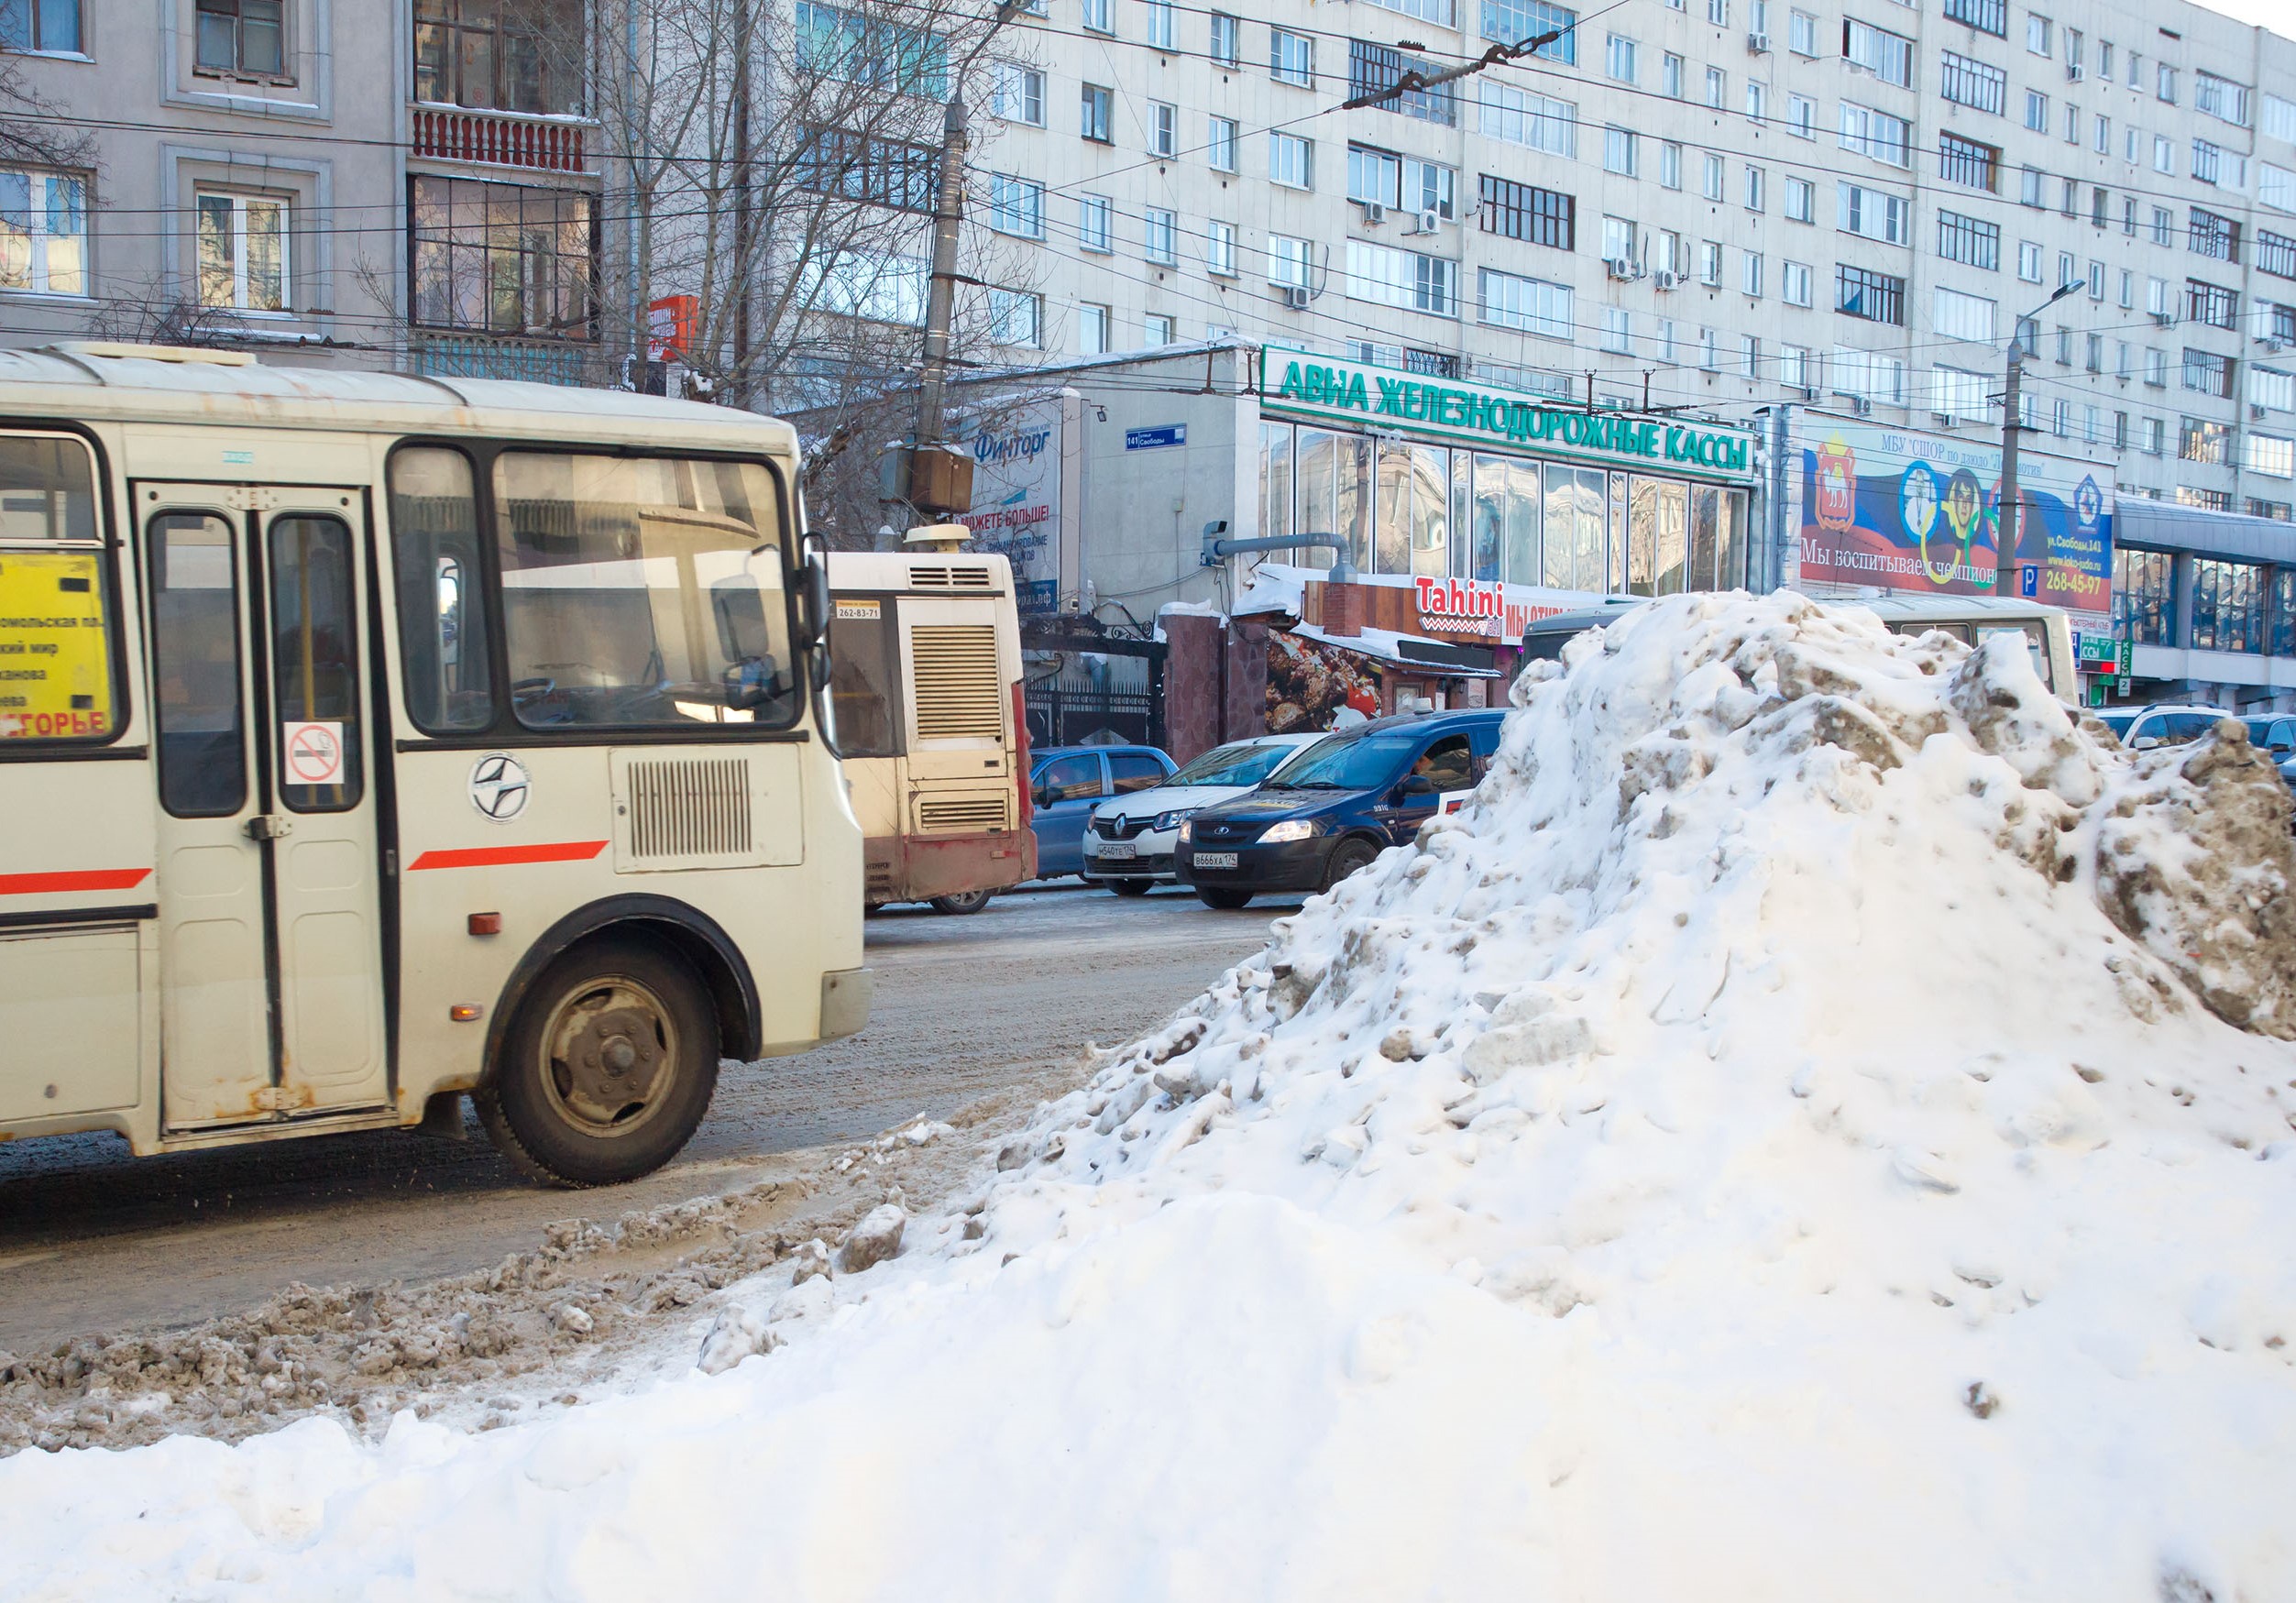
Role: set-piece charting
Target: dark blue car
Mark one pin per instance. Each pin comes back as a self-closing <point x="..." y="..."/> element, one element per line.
<point x="1341" y="804"/>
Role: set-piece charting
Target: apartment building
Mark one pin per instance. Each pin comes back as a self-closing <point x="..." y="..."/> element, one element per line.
<point x="400" y="184"/>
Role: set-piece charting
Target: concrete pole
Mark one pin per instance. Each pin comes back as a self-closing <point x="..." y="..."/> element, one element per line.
<point x="2010" y="538"/>
<point x="941" y="304"/>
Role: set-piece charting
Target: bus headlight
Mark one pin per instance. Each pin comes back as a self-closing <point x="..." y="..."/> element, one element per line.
<point x="1289" y="830"/>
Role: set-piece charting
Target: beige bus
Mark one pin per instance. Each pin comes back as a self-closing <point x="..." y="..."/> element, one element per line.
<point x="925" y="688"/>
<point x="371" y="741"/>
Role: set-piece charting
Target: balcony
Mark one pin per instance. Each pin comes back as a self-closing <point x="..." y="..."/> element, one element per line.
<point x="500" y="139"/>
<point x="479" y="356"/>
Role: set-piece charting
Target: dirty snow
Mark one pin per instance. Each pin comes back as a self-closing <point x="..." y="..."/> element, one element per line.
<point x="1783" y="1139"/>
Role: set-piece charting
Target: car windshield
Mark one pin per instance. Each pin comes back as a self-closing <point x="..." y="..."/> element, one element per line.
<point x="1237" y="765"/>
<point x="1351" y="762"/>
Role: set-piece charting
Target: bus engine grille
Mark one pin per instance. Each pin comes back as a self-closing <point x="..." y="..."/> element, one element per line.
<point x="960" y="693"/>
<point x="691" y="806"/>
<point x="953" y="577"/>
<point x="952" y="815"/>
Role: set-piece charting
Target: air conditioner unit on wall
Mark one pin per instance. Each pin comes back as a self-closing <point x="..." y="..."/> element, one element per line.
<point x="1374" y="214"/>
<point x="1427" y="223"/>
<point x="1296" y="297"/>
<point x="2255" y="412"/>
<point x="1665" y="279"/>
<point x="2273" y="344"/>
<point x="1862" y="407"/>
<point x="1944" y="420"/>
<point x="2165" y="319"/>
<point x="1757" y="44"/>
<point x="1620" y="267"/>
<point x="2073" y="71"/>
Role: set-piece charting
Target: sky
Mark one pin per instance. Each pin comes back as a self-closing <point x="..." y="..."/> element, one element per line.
<point x="2279" y="15"/>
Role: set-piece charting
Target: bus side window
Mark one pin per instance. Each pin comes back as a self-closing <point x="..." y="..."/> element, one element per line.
<point x="861" y="680"/>
<point x="442" y="634"/>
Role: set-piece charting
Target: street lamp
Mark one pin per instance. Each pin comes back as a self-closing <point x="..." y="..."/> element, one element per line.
<point x="2010" y="540"/>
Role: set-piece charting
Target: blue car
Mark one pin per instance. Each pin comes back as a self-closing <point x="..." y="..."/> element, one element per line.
<point x="1066" y="783"/>
<point x="1339" y="805"/>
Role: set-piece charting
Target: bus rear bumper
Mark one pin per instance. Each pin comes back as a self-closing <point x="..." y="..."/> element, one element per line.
<point x="845" y="997"/>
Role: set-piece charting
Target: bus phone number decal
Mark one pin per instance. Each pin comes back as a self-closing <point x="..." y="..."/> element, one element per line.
<point x="55" y="676"/>
<point x="861" y="611"/>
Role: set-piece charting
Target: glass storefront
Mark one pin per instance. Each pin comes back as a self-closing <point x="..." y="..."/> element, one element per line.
<point x="2227" y="606"/>
<point x="2144" y="595"/>
<point x="1411" y="510"/>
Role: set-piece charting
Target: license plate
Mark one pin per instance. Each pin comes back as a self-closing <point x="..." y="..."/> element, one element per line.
<point x="1213" y="859"/>
<point x="1110" y="851"/>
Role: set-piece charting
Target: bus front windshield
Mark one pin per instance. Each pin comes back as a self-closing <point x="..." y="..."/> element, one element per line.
<point x="642" y="591"/>
<point x="1234" y="765"/>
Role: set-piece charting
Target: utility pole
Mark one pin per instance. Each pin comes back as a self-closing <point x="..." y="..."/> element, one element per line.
<point x="941" y="300"/>
<point x="2009" y="541"/>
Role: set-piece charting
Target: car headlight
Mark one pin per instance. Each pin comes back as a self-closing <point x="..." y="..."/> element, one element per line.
<point x="1290" y="830"/>
<point x="1177" y="818"/>
<point x="1187" y="831"/>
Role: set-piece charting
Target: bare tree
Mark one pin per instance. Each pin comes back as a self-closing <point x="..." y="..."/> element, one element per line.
<point x="777" y="161"/>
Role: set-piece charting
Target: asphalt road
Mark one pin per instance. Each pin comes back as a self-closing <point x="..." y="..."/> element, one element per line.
<point x="94" y="1240"/>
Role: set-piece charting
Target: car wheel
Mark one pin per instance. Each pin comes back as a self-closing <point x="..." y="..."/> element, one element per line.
<point x="1130" y="887"/>
<point x="1226" y="899"/>
<point x="1348" y="857"/>
<point x="606" y="1069"/>
<point x="962" y="902"/>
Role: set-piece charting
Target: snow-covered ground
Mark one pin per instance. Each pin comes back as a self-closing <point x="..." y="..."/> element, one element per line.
<point x="1783" y="1140"/>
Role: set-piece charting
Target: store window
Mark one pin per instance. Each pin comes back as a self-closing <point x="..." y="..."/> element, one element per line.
<point x="1572" y="549"/>
<point x="1411" y="533"/>
<point x="2227" y="606"/>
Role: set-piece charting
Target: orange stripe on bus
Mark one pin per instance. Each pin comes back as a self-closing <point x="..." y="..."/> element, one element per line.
<point x="501" y="856"/>
<point x="84" y="879"/>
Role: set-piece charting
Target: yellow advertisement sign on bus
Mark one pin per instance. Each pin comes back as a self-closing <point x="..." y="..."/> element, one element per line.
<point x="55" y="676"/>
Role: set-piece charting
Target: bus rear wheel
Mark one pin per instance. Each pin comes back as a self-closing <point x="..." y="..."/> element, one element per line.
<point x="608" y="1069"/>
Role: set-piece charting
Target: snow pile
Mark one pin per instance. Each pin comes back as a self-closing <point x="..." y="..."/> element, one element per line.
<point x="1782" y="1140"/>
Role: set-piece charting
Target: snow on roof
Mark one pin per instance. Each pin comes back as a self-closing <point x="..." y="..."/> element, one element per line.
<point x="1409" y="651"/>
<point x="1783" y="1139"/>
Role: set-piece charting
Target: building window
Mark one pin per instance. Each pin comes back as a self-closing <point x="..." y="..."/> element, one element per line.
<point x="2271" y="455"/>
<point x="528" y="59"/>
<point x="1876" y="297"/>
<point x="1510" y="22"/>
<point x="1619" y="58"/>
<point x="2029" y="261"/>
<point x="1969" y="163"/>
<point x="1971" y="241"/>
<point x="1794" y="282"/>
<point x="1016" y="94"/>
<point x="233" y="36"/>
<point x="1749" y="273"/>
<point x="2036" y="110"/>
<point x="1710" y="184"/>
<point x="1986" y="15"/>
<point x="1757" y="194"/>
<point x="1521" y="211"/>
<point x="1228" y="35"/>
<point x="51" y="25"/>
<point x="1163" y="129"/>
<point x="1219" y="249"/>
<point x="1794" y="366"/>
<point x="2164" y="87"/>
<point x="1876" y="134"/>
<point x="1620" y="152"/>
<point x="1015" y="318"/>
<point x="502" y="259"/>
<point x="1094" y="232"/>
<point x="1801" y="116"/>
<point x="1717" y="87"/>
<point x="2271" y="389"/>
<point x="2144" y="595"/>
<point x="1971" y="83"/>
<point x="1869" y="374"/>
<point x="1956" y="393"/>
<point x="2214" y="235"/>
<point x="2220" y="98"/>
<point x="1959" y="317"/>
<point x="1801" y="201"/>
<point x="1757" y="100"/>
<point x="1404" y="278"/>
<point x="1160" y="236"/>
<point x="1617" y="330"/>
<point x="2199" y="439"/>
<point x="243" y="245"/>
<point x="1220" y="148"/>
<point x="2164" y="155"/>
<point x="1376" y="69"/>
<point x="1160" y="24"/>
<point x="1670" y="69"/>
<point x="1801" y="33"/>
<point x="1096" y="108"/>
<point x="1098" y="16"/>
<point x="1291" y="58"/>
<point x="2211" y="303"/>
<point x="1521" y="117"/>
<point x="1873" y="213"/>
<point x="1092" y="330"/>
<point x="2227" y="604"/>
<point x="1159" y="329"/>
<point x="1888" y="56"/>
<point x="1291" y="160"/>
<point x="1016" y="207"/>
<point x="1528" y="305"/>
<point x="1289" y="261"/>
<point x="2155" y="436"/>
<point x="2208" y="373"/>
<point x="1710" y="264"/>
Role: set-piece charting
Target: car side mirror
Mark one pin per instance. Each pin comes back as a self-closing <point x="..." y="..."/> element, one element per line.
<point x="2146" y="743"/>
<point x="1416" y="785"/>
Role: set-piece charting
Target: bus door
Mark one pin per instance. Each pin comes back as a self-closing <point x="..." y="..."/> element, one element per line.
<point x="270" y="950"/>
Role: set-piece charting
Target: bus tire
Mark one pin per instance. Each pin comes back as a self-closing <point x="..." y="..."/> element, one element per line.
<point x="1226" y="898"/>
<point x="962" y="902"/>
<point x="608" y="1069"/>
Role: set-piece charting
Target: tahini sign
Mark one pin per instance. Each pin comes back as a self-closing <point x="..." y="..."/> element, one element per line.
<point x="1330" y="390"/>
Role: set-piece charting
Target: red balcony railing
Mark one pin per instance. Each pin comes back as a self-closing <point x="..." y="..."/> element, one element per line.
<point x="500" y="139"/>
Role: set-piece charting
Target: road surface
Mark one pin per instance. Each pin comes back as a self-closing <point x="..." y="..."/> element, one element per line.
<point x="94" y="1240"/>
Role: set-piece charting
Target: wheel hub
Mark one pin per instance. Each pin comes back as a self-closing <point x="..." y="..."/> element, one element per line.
<point x="608" y="1052"/>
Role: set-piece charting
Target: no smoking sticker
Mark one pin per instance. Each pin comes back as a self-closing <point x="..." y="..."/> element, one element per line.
<point x="315" y="753"/>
